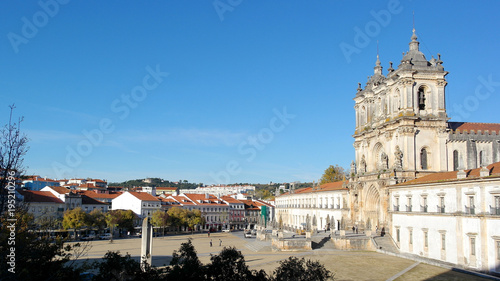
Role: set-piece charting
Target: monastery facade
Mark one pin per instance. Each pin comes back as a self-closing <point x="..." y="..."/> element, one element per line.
<point x="415" y="174"/>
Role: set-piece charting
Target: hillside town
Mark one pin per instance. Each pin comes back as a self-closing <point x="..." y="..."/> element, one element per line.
<point x="222" y="207"/>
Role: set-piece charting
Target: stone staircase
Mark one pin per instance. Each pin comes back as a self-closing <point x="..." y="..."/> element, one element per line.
<point x="322" y="242"/>
<point x="385" y="243"/>
<point x="257" y="246"/>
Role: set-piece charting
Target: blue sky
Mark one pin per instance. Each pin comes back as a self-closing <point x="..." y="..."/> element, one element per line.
<point x="221" y="91"/>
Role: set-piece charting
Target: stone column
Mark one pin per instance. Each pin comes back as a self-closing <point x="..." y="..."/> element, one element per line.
<point x="146" y="243"/>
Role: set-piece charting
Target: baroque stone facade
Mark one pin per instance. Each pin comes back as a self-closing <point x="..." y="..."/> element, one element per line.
<point x="416" y="174"/>
<point x="402" y="133"/>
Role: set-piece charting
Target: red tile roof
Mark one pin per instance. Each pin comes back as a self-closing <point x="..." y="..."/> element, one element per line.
<point x="338" y="185"/>
<point x="95" y="195"/>
<point x="468" y="127"/>
<point x="143" y="196"/>
<point x="452" y="176"/>
<point x="230" y="199"/>
<point x="86" y="200"/>
<point x="183" y="200"/>
<point x="40" y="197"/>
<point x="60" y="189"/>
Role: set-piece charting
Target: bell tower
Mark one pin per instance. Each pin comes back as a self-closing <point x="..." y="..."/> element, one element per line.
<point x="401" y="130"/>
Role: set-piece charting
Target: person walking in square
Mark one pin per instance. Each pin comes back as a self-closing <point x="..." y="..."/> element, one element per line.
<point x="220" y="242"/>
<point x="210" y="242"/>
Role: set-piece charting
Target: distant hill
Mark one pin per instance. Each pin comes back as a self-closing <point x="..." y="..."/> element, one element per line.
<point x="183" y="184"/>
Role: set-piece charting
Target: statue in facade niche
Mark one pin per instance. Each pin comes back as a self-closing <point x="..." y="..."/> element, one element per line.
<point x="353" y="168"/>
<point x="363" y="164"/>
<point x="385" y="161"/>
<point x="398" y="158"/>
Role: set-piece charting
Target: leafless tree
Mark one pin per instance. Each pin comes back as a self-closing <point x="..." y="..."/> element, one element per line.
<point x="13" y="147"/>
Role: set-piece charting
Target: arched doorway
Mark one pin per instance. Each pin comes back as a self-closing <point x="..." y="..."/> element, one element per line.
<point x="372" y="210"/>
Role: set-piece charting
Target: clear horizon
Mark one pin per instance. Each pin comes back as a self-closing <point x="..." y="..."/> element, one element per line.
<point x="222" y="92"/>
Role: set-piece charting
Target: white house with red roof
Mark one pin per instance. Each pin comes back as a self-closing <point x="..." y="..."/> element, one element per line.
<point x="215" y="211"/>
<point x="43" y="204"/>
<point x="141" y="203"/>
<point x="70" y="198"/>
<point x="452" y="216"/>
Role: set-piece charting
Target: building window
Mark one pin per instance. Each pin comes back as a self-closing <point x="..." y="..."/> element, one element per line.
<point x="396" y="206"/>
<point x="421" y="98"/>
<point x="424" y="206"/>
<point x="470" y="209"/>
<point x="481" y="158"/>
<point x="441" y="205"/>
<point x="443" y="241"/>
<point x="423" y="158"/>
<point x="411" y="237"/>
<point x="426" y="239"/>
<point x="495" y="210"/>
<point x="408" y="207"/>
<point x="473" y="246"/>
<point x="398" y="235"/>
<point x="498" y="250"/>
<point x="455" y="160"/>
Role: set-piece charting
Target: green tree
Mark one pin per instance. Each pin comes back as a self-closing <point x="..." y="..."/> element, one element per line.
<point x="186" y="265"/>
<point x="122" y="219"/>
<point x="113" y="217"/>
<point x="333" y="174"/>
<point x="230" y="265"/>
<point x="194" y="218"/>
<point x="176" y="216"/>
<point x="97" y="219"/>
<point x="160" y="219"/>
<point x="75" y="219"/>
<point x="36" y="257"/>
<point x="295" y="269"/>
<point x="116" y="267"/>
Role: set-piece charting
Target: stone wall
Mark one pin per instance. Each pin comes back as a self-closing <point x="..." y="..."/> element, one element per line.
<point x="291" y="245"/>
<point x="346" y="244"/>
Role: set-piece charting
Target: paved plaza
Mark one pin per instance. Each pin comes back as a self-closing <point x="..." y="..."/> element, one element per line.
<point x="347" y="265"/>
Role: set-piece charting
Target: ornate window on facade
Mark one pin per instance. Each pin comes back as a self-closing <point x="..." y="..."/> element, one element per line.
<point x="472" y="246"/>
<point x="482" y="160"/>
<point x="421" y="98"/>
<point x="423" y="158"/>
<point x="455" y="160"/>
<point x="498" y="249"/>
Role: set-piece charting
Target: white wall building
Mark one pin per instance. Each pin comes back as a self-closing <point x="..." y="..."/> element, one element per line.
<point x="452" y="217"/>
<point x="141" y="203"/>
<point x="322" y="204"/>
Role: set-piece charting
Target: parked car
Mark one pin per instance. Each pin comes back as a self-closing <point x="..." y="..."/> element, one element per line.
<point x="226" y="230"/>
<point x="254" y="232"/>
<point x="88" y="237"/>
<point x="248" y="235"/>
<point x="105" y="236"/>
